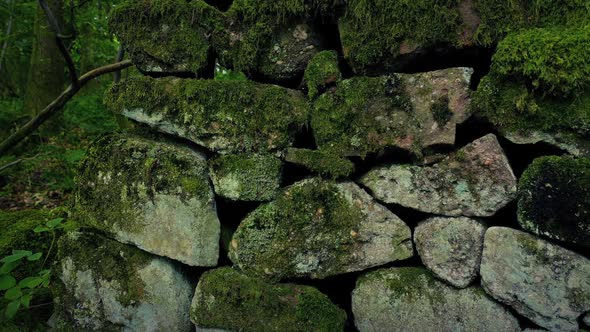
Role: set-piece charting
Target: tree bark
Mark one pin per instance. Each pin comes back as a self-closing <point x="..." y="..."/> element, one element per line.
<point x="7" y="35"/>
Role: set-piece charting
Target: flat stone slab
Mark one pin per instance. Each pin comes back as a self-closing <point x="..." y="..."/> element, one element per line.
<point x="477" y="180"/>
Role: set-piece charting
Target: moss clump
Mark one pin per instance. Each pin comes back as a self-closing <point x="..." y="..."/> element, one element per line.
<point x="311" y="217"/>
<point x="170" y="34"/>
<point x="121" y="172"/>
<point x="440" y="111"/>
<point x="553" y="60"/>
<point x="363" y="115"/>
<point x="554" y="199"/>
<point x="326" y="164"/>
<point x="246" y="177"/>
<point x="375" y="32"/>
<point x="225" y="116"/>
<point x="322" y="71"/>
<point x="226" y="299"/>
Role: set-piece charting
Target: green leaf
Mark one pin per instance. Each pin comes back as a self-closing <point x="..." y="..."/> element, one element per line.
<point x="22" y="252"/>
<point x="35" y="257"/>
<point x="41" y="229"/>
<point x="16" y="256"/>
<point x="6" y="282"/>
<point x="44" y="273"/>
<point x="26" y="300"/>
<point x="8" y="267"/>
<point x="13" y="293"/>
<point x="30" y="282"/>
<point x="54" y="222"/>
<point x="12" y="308"/>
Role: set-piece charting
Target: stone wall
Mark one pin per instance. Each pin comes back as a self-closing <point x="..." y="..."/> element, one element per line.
<point x="377" y="170"/>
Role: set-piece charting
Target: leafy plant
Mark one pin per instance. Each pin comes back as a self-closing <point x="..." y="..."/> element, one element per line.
<point x="19" y="294"/>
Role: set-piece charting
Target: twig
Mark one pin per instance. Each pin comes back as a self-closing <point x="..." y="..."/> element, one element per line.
<point x="10" y="164"/>
<point x="120" y="55"/>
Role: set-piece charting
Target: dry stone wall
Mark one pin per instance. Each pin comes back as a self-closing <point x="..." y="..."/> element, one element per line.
<point x="375" y="169"/>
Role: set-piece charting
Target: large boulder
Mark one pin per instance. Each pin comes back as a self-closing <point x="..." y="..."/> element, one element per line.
<point x="451" y="248"/>
<point x="554" y="199"/>
<point x="411" y="112"/>
<point x="103" y="285"/>
<point x="152" y="194"/>
<point x="226" y="300"/>
<point x="541" y="281"/>
<point x="222" y="116"/>
<point x="411" y="299"/>
<point x="318" y="228"/>
<point x="167" y="37"/>
<point x="252" y="178"/>
<point x="477" y="180"/>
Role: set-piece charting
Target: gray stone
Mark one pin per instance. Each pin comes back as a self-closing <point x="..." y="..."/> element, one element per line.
<point x="103" y="285"/>
<point x="586" y="319"/>
<point x="475" y="181"/>
<point x="317" y="228"/>
<point x="574" y="145"/>
<point x="251" y="178"/>
<point x="411" y="299"/>
<point x="152" y="194"/>
<point x="451" y="248"/>
<point x="541" y="281"/>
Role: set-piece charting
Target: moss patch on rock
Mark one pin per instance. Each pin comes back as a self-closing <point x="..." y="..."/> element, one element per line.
<point x="246" y="177"/>
<point x="223" y="116"/>
<point x="322" y="71"/>
<point x="226" y="299"/>
<point x="326" y="164"/>
<point x="170" y="36"/>
<point x="554" y="199"/>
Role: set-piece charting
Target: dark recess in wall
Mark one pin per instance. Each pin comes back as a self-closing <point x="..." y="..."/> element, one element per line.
<point x="222" y="5"/>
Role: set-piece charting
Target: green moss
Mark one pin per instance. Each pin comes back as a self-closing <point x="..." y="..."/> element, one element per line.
<point x="321" y="71"/>
<point x="228" y="116"/>
<point x="440" y="111"/>
<point x="406" y="281"/>
<point x="173" y="34"/>
<point x="246" y="177"/>
<point x="363" y="115"/>
<point x="227" y="299"/>
<point x="374" y="31"/>
<point x="326" y="164"/>
<point x="554" y="198"/>
<point x="120" y="172"/>
<point x="552" y="60"/>
<point x="310" y="216"/>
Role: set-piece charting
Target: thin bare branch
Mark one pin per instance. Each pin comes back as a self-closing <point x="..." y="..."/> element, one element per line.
<point x="120" y="55"/>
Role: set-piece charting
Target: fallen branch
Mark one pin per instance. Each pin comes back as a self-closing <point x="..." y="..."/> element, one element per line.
<point x="59" y="103"/>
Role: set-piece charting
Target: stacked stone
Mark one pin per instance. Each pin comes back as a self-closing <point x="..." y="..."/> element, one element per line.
<point x="147" y="202"/>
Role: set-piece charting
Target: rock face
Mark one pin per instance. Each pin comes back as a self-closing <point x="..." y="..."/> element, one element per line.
<point x="107" y="286"/>
<point x="166" y="37"/>
<point x="475" y="181"/>
<point x="325" y="163"/>
<point x="541" y="281"/>
<point x="222" y="116"/>
<point x="246" y="177"/>
<point x="230" y="301"/>
<point x="411" y="299"/>
<point x="554" y="199"/>
<point x="406" y="111"/>
<point x="451" y="248"/>
<point x="152" y="194"/>
<point x="317" y="229"/>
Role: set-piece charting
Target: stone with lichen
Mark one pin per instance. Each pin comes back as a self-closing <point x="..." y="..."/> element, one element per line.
<point x="228" y="300"/>
<point x="318" y="228"/>
<point x="251" y="178"/>
<point x="411" y="299"/>
<point x="152" y="194"/>
<point x="327" y="164"/>
<point x="541" y="281"/>
<point x="103" y="285"/>
<point x="451" y="248"/>
<point x="411" y="112"/>
<point x="477" y="180"/>
<point x="222" y="116"/>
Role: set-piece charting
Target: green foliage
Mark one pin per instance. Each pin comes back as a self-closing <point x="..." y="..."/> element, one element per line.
<point x="322" y="70"/>
<point x="553" y="60"/>
<point x="224" y="74"/>
<point x="325" y="163"/>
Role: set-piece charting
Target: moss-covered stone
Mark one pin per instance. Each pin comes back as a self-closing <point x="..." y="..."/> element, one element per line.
<point x="322" y="71"/>
<point x="411" y="299"/>
<point x="107" y="286"/>
<point x="365" y="115"/>
<point x="223" y="116"/>
<point x="326" y="164"/>
<point x="318" y="228"/>
<point x="228" y="300"/>
<point x="246" y="177"/>
<point x="554" y="199"/>
<point x="153" y="194"/>
<point x="170" y="36"/>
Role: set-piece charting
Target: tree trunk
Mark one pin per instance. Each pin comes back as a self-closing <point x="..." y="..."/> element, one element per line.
<point x="7" y="35"/>
<point x="46" y="72"/>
